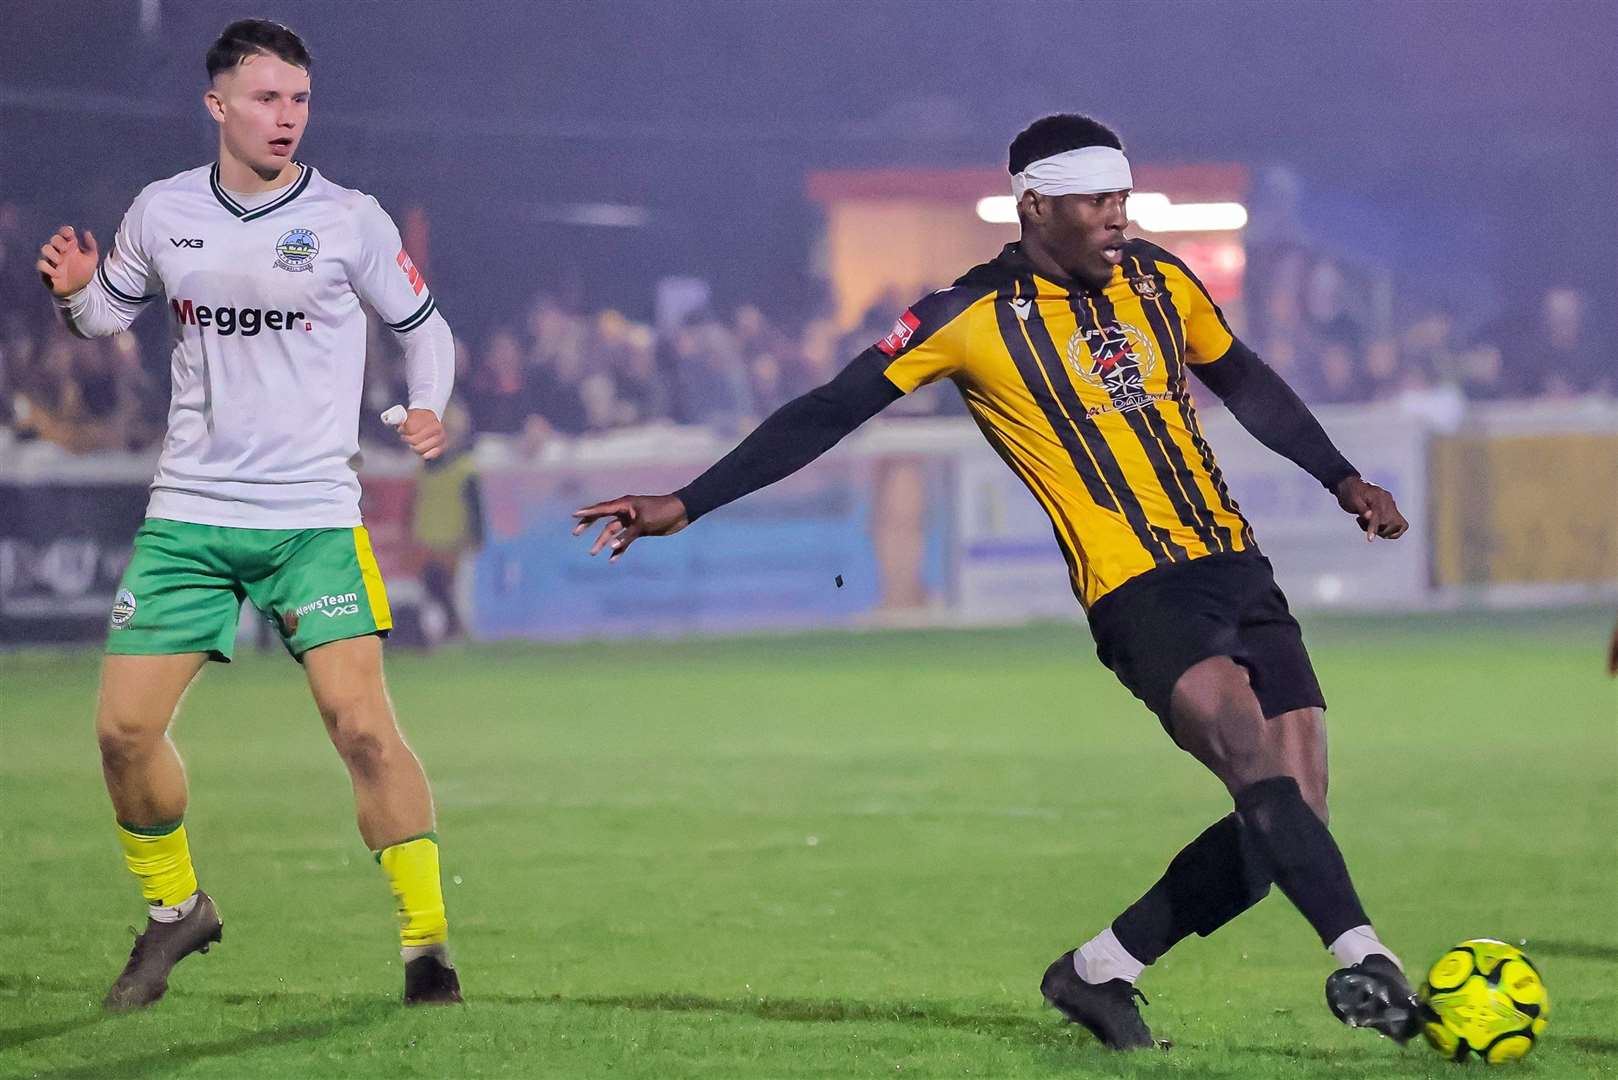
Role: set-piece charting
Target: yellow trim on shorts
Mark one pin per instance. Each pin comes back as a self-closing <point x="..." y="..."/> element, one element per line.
<point x="371" y="578"/>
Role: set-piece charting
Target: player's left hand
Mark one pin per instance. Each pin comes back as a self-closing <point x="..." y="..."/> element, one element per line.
<point x="1373" y="507"/>
<point x="423" y="432"/>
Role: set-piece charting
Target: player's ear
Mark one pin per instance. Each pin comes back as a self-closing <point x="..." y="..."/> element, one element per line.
<point x="214" y="103"/>
<point x="1032" y="206"/>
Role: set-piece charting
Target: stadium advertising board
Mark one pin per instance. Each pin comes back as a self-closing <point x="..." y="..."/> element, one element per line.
<point x="63" y="547"/>
<point x="1008" y="567"/>
<point x="812" y="550"/>
<point x="1499" y="525"/>
<point x="1322" y="560"/>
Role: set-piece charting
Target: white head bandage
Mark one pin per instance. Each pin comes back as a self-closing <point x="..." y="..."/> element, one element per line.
<point x="1088" y="170"/>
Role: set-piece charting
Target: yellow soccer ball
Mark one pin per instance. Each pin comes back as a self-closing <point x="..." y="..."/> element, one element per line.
<point x="1484" y="997"/>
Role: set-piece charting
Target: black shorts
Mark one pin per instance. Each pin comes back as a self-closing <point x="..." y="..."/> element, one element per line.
<point x="1153" y="627"/>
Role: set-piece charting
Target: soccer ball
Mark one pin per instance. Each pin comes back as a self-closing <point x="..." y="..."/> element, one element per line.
<point x="1484" y="997"/>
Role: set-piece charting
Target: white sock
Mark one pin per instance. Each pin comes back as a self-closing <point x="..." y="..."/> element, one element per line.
<point x="408" y="953"/>
<point x="1104" y="958"/>
<point x="1355" y="945"/>
<point x="173" y="913"/>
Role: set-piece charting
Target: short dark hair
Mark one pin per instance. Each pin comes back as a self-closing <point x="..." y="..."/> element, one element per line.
<point x="1056" y="134"/>
<point x="250" y="37"/>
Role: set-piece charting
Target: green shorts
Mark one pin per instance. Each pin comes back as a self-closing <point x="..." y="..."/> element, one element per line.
<point x="185" y="583"/>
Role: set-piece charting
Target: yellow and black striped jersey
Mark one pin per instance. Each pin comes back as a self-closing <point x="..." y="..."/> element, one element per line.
<point x="1083" y="394"/>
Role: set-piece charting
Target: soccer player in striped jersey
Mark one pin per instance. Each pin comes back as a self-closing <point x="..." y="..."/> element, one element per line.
<point x="1072" y="349"/>
<point x="264" y="263"/>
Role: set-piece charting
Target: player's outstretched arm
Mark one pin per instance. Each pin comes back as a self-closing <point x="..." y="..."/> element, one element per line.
<point x="793" y="436"/>
<point x="1266" y="406"/>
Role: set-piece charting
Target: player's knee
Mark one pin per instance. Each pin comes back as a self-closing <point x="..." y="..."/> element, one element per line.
<point x="1240" y="756"/>
<point x="364" y="746"/>
<point x="363" y="734"/>
<point x="1224" y="749"/>
<point x="364" y="752"/>
<point x="122" y="745"/>
<point x="124" y="736"/>
<point x="348" y="710"/>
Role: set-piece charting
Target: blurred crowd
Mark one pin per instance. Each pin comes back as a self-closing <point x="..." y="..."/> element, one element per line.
<point x="557" y="371"/>
<point x="81" y="395"/>
<point x="560" y="372"/>
<point x="1316" y="321"/>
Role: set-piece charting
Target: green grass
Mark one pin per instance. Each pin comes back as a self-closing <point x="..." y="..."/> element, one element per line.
<point x="822" y="855"/>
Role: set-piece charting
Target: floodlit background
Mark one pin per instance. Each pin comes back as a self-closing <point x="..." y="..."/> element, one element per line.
<point x="651" y="226"/>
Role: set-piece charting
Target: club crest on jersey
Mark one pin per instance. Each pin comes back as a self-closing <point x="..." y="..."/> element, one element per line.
<point x="1145" y="287"/>
<point x="1117" y="358"/>
<point x="123" y="609"/>
<point x="296" y="250"/>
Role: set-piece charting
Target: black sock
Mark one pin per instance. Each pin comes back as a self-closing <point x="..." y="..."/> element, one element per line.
<point x="1211" y="881"/>
<point x="1301" y="855"/>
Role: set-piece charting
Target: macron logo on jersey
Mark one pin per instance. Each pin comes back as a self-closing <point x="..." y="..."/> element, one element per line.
<point x="226" y="320"/>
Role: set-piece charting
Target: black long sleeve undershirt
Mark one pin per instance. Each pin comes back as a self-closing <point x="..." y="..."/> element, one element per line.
<point x="1267" y="407"/>
<point x="806" y="427"/>
<point x="794" y="435"/>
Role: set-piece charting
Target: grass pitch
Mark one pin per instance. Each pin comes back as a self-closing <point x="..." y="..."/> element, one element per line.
<point x="823" y="855"/>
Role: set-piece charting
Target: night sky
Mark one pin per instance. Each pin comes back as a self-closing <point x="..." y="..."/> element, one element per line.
<point x="1480" y="136"/>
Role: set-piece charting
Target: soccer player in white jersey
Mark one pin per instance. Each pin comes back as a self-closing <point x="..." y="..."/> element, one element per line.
<point x="264" y="264"/>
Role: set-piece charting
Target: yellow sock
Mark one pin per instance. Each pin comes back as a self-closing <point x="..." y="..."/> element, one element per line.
<point x="160" y="856"/>
<point x="412" y="869"/>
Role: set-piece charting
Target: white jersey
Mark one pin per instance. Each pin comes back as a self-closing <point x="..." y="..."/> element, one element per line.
<point x="269" y="342"/>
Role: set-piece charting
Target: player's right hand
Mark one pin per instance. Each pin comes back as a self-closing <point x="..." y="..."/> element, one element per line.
<point x="67" y="261"/>
<point x="631" y="517"/>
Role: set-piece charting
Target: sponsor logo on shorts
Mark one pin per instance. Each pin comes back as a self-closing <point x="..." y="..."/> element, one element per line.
<point x="123" y="609"/>
<point x="296" y="250"/>
<point x="331" y="606"/>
